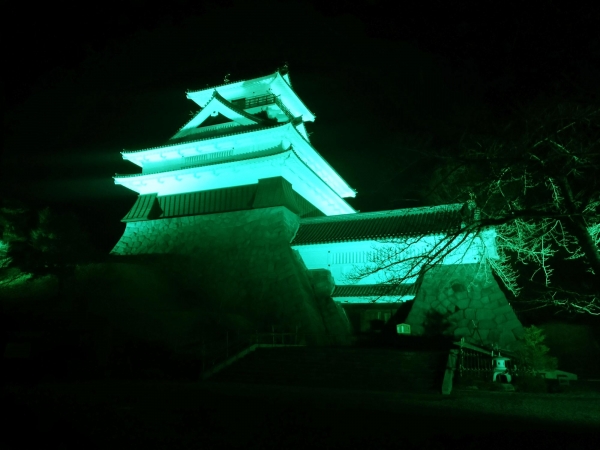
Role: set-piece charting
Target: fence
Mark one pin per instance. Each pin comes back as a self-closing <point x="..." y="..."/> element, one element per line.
<point x="474" y="362"/>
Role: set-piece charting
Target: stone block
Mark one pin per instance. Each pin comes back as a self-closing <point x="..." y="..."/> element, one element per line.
<point x="477" y="304"/>
<point x="463" y="304"/>
<point x="484" y="299"/>
<point x="458" y="315"/>
<point x="322" y="281"/>
<point x="470" y="313"/>
<point x="484" y="334"/>
<point x="504" y="309"/>
<point x="461" y="296"/>
<point x="475" y="291"/>
<point x="463" y="323"/>
<point x="487" y="324"/>
<point x="500" y="319"/>
<point x="440" y="309"/>
<point x="484" y="314"/>
<point x="462" y="332"/>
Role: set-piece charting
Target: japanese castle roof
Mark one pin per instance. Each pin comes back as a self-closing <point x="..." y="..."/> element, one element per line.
<point x="270" y="84"/>
<point x="304" y="150"/>
<point x="374" y="290"/>
<point x="379" y="225"/>
<point x="219" y="104"/>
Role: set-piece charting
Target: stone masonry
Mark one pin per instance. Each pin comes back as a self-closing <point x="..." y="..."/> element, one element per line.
<point x="242" y="263"/>
<point x="469" y="303"/>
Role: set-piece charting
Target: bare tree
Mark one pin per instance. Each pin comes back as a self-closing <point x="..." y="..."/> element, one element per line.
<point x="536" y="184"/>
<point x="531" y="208"/>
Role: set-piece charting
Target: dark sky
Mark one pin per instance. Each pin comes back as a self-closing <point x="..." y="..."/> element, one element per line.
<point x="382" y="79"/>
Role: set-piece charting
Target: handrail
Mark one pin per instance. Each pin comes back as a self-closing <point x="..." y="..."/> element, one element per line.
<point x="219" y="353"/>
<point x="215" y="352"/>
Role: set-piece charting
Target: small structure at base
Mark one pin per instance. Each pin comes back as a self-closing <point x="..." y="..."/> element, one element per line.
<point x="500" y="370"/>
<point x="403" y="328"/>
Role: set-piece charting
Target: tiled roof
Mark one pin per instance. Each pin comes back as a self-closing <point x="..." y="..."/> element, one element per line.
<point x="227" y="103"/>
<point x="236" y="198"/>
<point x="374" y="290"/>
<point x="203" y="137"/>
<point x="379" y="225"/>
<point x="142" y="208"/>
<point x="233" y="158"/>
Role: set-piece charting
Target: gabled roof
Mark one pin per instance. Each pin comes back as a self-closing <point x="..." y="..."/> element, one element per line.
<point x="379" y="225"/>
<point x="218" y="104"/>
<point x="274" y="83"/>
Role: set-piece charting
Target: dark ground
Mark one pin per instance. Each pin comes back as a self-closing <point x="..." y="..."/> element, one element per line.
<point x="156" y="415"/>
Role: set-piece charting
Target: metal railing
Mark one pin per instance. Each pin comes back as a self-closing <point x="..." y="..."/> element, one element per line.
<point x="220" y="352"/>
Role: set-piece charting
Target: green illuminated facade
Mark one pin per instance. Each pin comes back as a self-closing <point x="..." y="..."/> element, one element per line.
<point x="262" y="221"/>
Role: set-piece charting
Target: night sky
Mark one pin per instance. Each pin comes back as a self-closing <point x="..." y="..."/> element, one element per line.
<point x="383" y="79"/>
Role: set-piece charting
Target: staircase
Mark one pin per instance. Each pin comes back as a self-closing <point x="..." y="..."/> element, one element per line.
<point x="380" y="369"/>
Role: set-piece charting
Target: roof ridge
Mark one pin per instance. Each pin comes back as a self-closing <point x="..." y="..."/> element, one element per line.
<point x="226" y="84"/>
<point x="385" y="213"/>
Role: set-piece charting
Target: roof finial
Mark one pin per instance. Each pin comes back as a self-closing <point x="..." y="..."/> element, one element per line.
<point x="226" y="78"/>
<point x="284" y="69"/>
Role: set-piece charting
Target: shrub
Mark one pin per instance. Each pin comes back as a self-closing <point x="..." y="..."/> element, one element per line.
<point x="533" y="353"/>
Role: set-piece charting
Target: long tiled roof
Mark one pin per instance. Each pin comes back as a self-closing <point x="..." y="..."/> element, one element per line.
<point x="379" y="225"/>
<point x="374" y="290"/>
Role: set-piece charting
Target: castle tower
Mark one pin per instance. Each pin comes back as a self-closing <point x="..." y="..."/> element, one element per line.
<point x="246" y="148"/>
<point x="223" y="198"/>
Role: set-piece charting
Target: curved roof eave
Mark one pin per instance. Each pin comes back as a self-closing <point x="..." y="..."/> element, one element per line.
<point x="175" y="144"/>
<point x="208" y="163"/>
<point x="325" y="161"/>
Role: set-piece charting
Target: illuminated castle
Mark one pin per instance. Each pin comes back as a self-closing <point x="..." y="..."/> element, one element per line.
<point x="241" y="191"/>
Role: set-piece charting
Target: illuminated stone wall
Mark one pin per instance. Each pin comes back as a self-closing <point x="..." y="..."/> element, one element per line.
<point x="464" y="295"/>
<point x="242" y="262"/>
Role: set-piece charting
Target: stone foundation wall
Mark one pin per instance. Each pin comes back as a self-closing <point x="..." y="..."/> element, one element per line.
<point x="241" y="263"/>
<point x="464" y="301"/>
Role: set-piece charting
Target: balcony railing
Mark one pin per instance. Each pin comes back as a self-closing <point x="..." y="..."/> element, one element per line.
<point x="260" y="100"/>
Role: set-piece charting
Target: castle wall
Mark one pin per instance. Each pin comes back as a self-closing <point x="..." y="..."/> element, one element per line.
<point x="241" y="263"/>
<point x="461" y="296"/>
